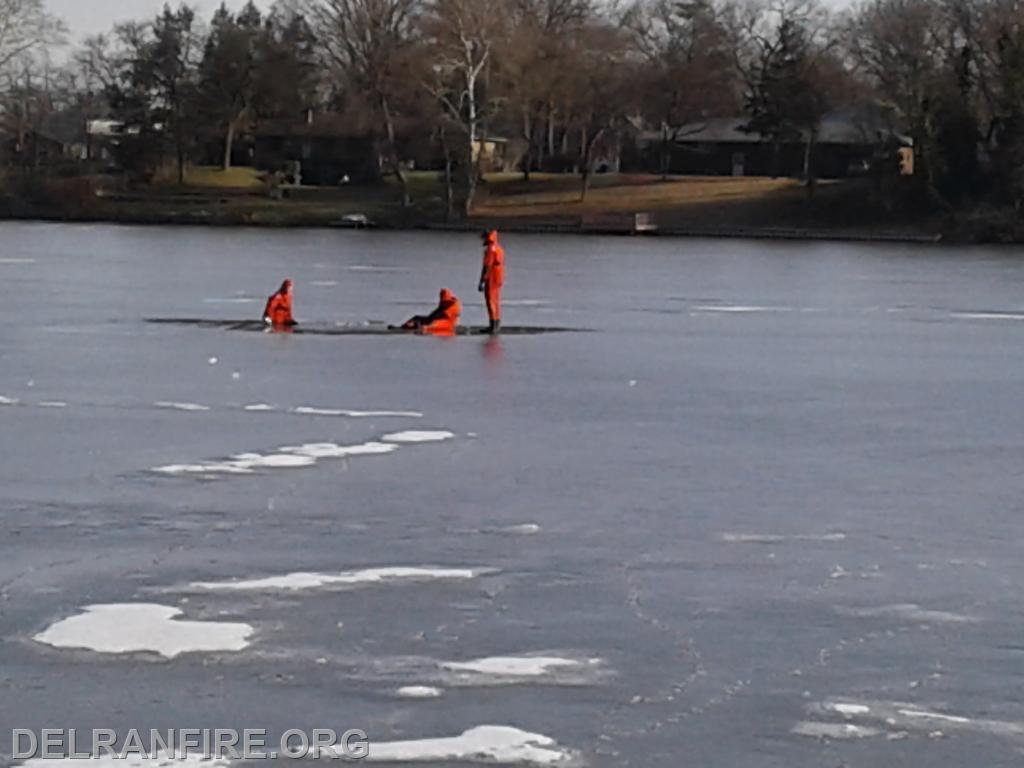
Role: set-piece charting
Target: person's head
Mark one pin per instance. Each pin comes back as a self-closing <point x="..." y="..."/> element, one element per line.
<point x="286" y="286"/>
<point x="446" y="295"/>
<point x="489" y="237"/>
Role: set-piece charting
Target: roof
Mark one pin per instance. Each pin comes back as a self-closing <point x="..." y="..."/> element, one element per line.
<point x="865" y="125"/>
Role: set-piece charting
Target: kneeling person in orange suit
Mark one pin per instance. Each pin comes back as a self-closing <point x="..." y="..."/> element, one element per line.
<point x="278" y="311"/>
<point x="443" y="321"/>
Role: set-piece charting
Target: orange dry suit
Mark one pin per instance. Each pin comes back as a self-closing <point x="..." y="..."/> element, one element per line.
<point x="443" y="321"/>
<point x="278" y="311"/>
<point x="492" y="278"/>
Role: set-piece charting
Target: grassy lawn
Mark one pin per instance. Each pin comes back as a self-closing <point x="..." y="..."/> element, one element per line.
<point x="550" y="196"/>
<point x="208" y="177"/>
<point x="676" y="202"/>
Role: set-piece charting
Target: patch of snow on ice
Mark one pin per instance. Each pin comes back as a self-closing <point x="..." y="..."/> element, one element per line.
<point x="915" y="713"/>
<point x="182" y="406"/>
<point x="491" y="744"/>
<point x="516" y="666"/>
<point x="413" y="436"/>
<point x="909" y="612"/>
<point x="848" y="709"/>
<point x="987" y="316"/>
<point x="302" y="581"/>
<point x="419" y="692"/>
<point x="335" y="451"/>
<point x="770" y="538"/>
<point x="738" y="309"/>
<point x="308" y="411"/>
<point x="837" y="731"/>
<point x="135" y="627"/>
<point x="180" y="759"/>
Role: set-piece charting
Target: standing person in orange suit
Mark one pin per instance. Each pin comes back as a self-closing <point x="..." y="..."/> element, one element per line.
<point x="278" y="312"/>
<point x="492" y="278"/>
<point x="443" y="321"/>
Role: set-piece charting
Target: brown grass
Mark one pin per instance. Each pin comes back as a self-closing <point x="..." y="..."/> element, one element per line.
<point x="560" y="195"/>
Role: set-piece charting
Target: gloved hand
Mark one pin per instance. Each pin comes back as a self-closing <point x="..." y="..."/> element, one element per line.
<point x="482" y="287"/>
<point x="266" y="320"/>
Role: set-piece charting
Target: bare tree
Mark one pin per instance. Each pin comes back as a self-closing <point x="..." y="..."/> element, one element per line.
<point x="688" y="73"/>
<point x="534" y="70"/>
<point x="463" y="37"/>
<point x="372" y="46"/>
<point x="26" y="26"/>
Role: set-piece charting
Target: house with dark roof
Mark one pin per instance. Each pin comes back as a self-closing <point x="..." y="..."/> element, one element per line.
<point x="848" y="143"/>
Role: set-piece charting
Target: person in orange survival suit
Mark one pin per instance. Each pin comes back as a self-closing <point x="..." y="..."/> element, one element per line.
<point x="443" y="321"/>
<point x="492" y="278"/>
<point x="278" y="311"/>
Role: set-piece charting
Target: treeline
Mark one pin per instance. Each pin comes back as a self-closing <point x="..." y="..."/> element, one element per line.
<point x="565" y="79"/>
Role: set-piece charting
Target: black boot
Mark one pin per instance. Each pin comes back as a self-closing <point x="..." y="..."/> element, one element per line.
<point x="495" y="327"/>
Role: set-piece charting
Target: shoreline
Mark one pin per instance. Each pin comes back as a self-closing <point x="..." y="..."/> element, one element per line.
<point x="516" y="225"/>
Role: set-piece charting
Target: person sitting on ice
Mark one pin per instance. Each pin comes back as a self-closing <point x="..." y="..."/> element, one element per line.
<point x="443" y="321"/>
<point x="278" y="312"/>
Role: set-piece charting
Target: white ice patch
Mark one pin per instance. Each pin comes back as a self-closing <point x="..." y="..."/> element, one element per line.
<point x="837" y="731"/>
<point x="251" y="461"/>
<point x="305" y="410"/>
<point x="289" y="457"/>
<point x="259" y="408"/>
<point x="419" y="692"/>
<point x="739" y="309"/>
<point x="413" y="436"/>
<point x="324" y="283"/>
<point x="908" y="612"/>
<point x="302" y="581"/>
<point x="921" y="714"/>
<point x="334" y="451"/>
<point x="180" y="759"/>
<point x="526" y="529"/>
<point x="137" y="627"/>
<point x="182" y="406"/>
<point x="769" y="538"/>
<point x="849" y="710"/>
<point x="899" y="717"/>
<point x="53" y="404"/>
<point x="777" y="539"/>
<point x="8" y="400"/>
<point x="518" y="666"/>
<point x="17" y="261"/>
<point x="490" y="744"/>
<point x="988" y="316"/>
<point x="373" y="268"/>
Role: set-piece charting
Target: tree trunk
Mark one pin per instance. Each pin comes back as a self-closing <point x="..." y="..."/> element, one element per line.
<point x="809" y="178"/>
<point x="666" y="156"/>
<point x="528" y="139"/>
<point x="180" y="149"/>
<point x="448" y="181"/>
<point x="393" y="159"/>
<point x="471" y="173"/>
<point x="551" y="129"/>
<point x="229" y="144"/>
<point x="587" y="170"/>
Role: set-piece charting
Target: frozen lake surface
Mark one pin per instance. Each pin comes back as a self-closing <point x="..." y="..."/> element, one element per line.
<point x="768" y="512"/>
